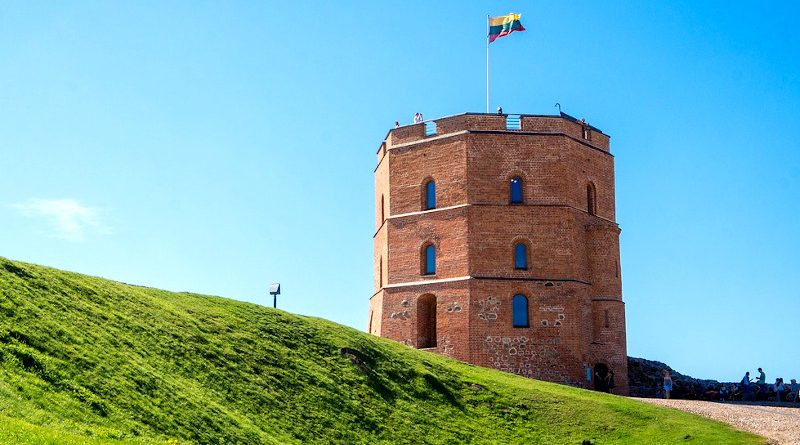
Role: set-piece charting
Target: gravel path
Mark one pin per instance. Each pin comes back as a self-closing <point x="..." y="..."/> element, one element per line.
<point x="779" y="424"/>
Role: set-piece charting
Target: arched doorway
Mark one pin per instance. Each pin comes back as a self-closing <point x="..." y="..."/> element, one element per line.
<point x="426" y="321"/>
<point x="600" y="375"/>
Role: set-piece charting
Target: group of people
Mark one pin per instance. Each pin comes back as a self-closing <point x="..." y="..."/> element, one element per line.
<point x="747" y="389"/>
<point x="751" y="389"/>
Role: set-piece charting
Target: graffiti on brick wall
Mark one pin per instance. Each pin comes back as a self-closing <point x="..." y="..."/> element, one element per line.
<point x="524" y="356"/>
<point x="557" y="320"/>
<point x="453" y="307"/>
<point x="488" y="309"/>
<point x="446" y="346"/>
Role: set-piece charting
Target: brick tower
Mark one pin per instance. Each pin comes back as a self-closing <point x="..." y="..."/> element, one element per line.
<point x="496" y="244"/>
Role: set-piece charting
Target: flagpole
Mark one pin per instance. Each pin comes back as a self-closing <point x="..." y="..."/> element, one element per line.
<point x="487" y="63"/>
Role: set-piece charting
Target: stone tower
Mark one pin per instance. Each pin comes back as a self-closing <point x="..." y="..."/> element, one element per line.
<point x="496" y="244"/>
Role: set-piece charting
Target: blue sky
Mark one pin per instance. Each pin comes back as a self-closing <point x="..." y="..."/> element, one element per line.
<point x="215" y="147"/>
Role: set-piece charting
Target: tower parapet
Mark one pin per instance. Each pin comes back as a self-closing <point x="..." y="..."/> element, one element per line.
<point x="562" y="124"/>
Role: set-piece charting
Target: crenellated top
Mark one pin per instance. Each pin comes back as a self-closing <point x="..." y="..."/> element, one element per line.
<point x="562" y="124"/>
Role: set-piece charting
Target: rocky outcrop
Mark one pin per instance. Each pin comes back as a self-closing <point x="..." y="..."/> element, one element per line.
<point x="645" y="380"/>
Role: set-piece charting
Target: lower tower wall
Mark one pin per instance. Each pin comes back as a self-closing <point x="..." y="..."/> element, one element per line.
<point x="552" y="346"/>
<point x="406" y="317"/>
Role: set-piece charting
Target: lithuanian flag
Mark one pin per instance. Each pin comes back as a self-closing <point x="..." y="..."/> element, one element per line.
<point x="504" y="25"/>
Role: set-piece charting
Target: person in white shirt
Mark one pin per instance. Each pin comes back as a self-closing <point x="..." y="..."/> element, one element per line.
<point x="779" y="388"/>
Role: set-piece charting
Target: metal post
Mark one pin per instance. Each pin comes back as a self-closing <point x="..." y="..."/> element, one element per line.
<point x="487" y="63"/>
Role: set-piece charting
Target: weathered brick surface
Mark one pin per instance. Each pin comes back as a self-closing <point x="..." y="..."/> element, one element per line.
<point x="573" y="280"/>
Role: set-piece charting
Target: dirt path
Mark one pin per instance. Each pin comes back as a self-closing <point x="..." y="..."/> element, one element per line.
<point x="780" y="424"/>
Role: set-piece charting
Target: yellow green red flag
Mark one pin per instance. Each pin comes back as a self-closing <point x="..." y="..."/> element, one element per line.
<point x="504" y="25"/>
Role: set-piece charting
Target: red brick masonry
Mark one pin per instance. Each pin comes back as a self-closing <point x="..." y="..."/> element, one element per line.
<point x="566" y="221"/>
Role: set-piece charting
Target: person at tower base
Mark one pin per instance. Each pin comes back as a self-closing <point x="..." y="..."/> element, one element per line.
<point x="610" y="384"/>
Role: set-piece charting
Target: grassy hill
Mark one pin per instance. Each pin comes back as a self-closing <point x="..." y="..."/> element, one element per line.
<point x="85" y="360"/>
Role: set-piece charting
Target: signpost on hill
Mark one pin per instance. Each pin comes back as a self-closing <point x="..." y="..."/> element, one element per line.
<point x="275" y="290"/>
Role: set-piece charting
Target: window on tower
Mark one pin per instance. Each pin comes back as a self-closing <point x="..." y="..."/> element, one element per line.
<point x="516" y="190"/>
<point x="430" y="195"/>
<point x="591" y="199"/>
<point x="520" y="256"/>
<point x="519" y="308"/>
<point x="429" y="260"/>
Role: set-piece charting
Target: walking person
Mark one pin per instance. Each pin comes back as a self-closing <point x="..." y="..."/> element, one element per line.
<point x="667" y="383"/>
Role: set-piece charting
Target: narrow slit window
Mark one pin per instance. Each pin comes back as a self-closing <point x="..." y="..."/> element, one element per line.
<point x="429" y="260"/>
<point x="520" y="256"/>
<point x="519" y="307"/>
<point x="591" y="199"/>
<point x="430" y="195"/>
<point x="516" y="190"/>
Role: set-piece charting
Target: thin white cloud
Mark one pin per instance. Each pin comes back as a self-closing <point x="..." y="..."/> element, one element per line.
<point x="67" y="218"/>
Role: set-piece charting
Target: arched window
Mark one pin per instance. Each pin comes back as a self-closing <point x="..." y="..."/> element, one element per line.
<point x="430" y="195"/>
<point x="520" y="256"/>
<point x="429" y="260"/>
<point x="519" y="308"/>
<point x="591" y="201"/>
<point x="516" y="190"/>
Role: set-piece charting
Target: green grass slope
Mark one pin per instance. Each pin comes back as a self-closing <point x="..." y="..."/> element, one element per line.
<point x="85" y="360"/>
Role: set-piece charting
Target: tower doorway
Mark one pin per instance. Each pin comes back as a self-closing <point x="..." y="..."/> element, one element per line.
<point x="600" y="375"/>
<point x="426" y="321"/>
